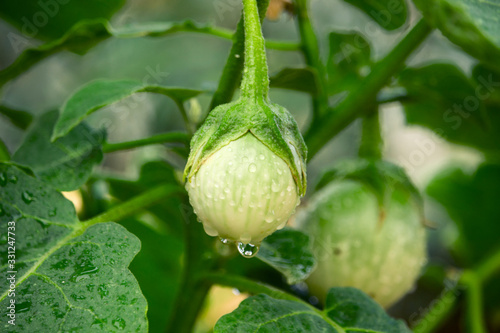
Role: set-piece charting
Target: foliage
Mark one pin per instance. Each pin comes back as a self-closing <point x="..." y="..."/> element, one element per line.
<point x="134" y="259"/>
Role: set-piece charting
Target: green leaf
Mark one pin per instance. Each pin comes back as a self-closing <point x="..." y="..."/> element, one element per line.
<point x="354" y="311"/>
<point x="472" y="202"/>
<point x="100" y="93"/>
<point x="67" y="163"/>
<point x="70" y="276"/>
<point x="347" y="310"/>
<point x="86" y="34"/>
<point x="471" y="24"/>
<point x="389" y="14"/>
<point x="348" y="61"/>
<point x="442" y="99"/>
<point x="20" y="119"/>
<point x="262" y="313"/>
<point x="4" y="152"/>
<point x="298" y="79"/>
<point x="289" y="252"/>
<point x="50" y="19"/>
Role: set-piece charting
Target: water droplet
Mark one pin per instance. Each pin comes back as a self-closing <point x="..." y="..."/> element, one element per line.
<point x="269" y="217"/>
<point x="3" y="179"/>
<point x="232" y="203"/>
<point x="227" y="190"/>
<point x="13" y="179"/>
<point x="236" y="55"/>
<point x="83" y="270"/>
<point x="119" y="323"/>
<point x="229" y="149"/>
<point x="224" y="240"/>
<point x="289" y="188"/>
<point x="282" y="225"/>
<point x="53" y="212"/>
<point x="240" y="209"/>
<point x="279" y="171"/>
<point x="103" y="290"/>
<point x="262" y="157"/>
<point x="247" y="250"/>
<point x="275" y="187"/>
<point x="61" y="264"/>
<point x="252" y="167"/>
<point x="23" y="307"/>
<point x="222" y="196"/>
<point x="208" y="195"/>
<point x="209" y="230"/>
<point x="244" y="159"/>
<point x="27" y="197"/>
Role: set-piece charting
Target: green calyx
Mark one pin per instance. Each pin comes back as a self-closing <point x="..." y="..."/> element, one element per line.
<point x="270" y="123"/>
<point x="381" y="177"/>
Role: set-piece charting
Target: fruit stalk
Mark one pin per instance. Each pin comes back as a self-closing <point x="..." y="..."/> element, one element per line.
<point x="255" y="82"/>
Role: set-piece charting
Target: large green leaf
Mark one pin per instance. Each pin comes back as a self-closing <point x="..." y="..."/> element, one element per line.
<point x="65" y="163"/>
<point x="289" y="252"/>
<point x="348" y="61"/>
<point x="389" y="14"/>
<point x="70" y="276"/>
<point x="443" y="99"/>
<point x="474" y="25"/>
<point x="347" y="310"/>
<point x="298" y="79"/>
<point x="472" y="202"/>
<point x="85" y="34"/>
<point x="158" y="266"/>
<point x="50" y="19"/>
<point x="100" y="93"/>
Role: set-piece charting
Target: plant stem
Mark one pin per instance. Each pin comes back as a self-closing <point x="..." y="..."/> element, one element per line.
<point x="488" y="267"/>
<point x="444" y="306"/>
<point x="279" y="45"/>
<point x="155" y="139"/>
<point x="185" y="117"/>
<point x="255" y="81"/>
<point x="199" y="260"/>
<point x="231" y="74"/>
<point x="474" y="303"/>
<point x="439" y="311"/>
<point x="371" y="139"/>
<point x="310" y="50"/>
<point x="135" y="204"/>
<point x="360" y="101"/>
